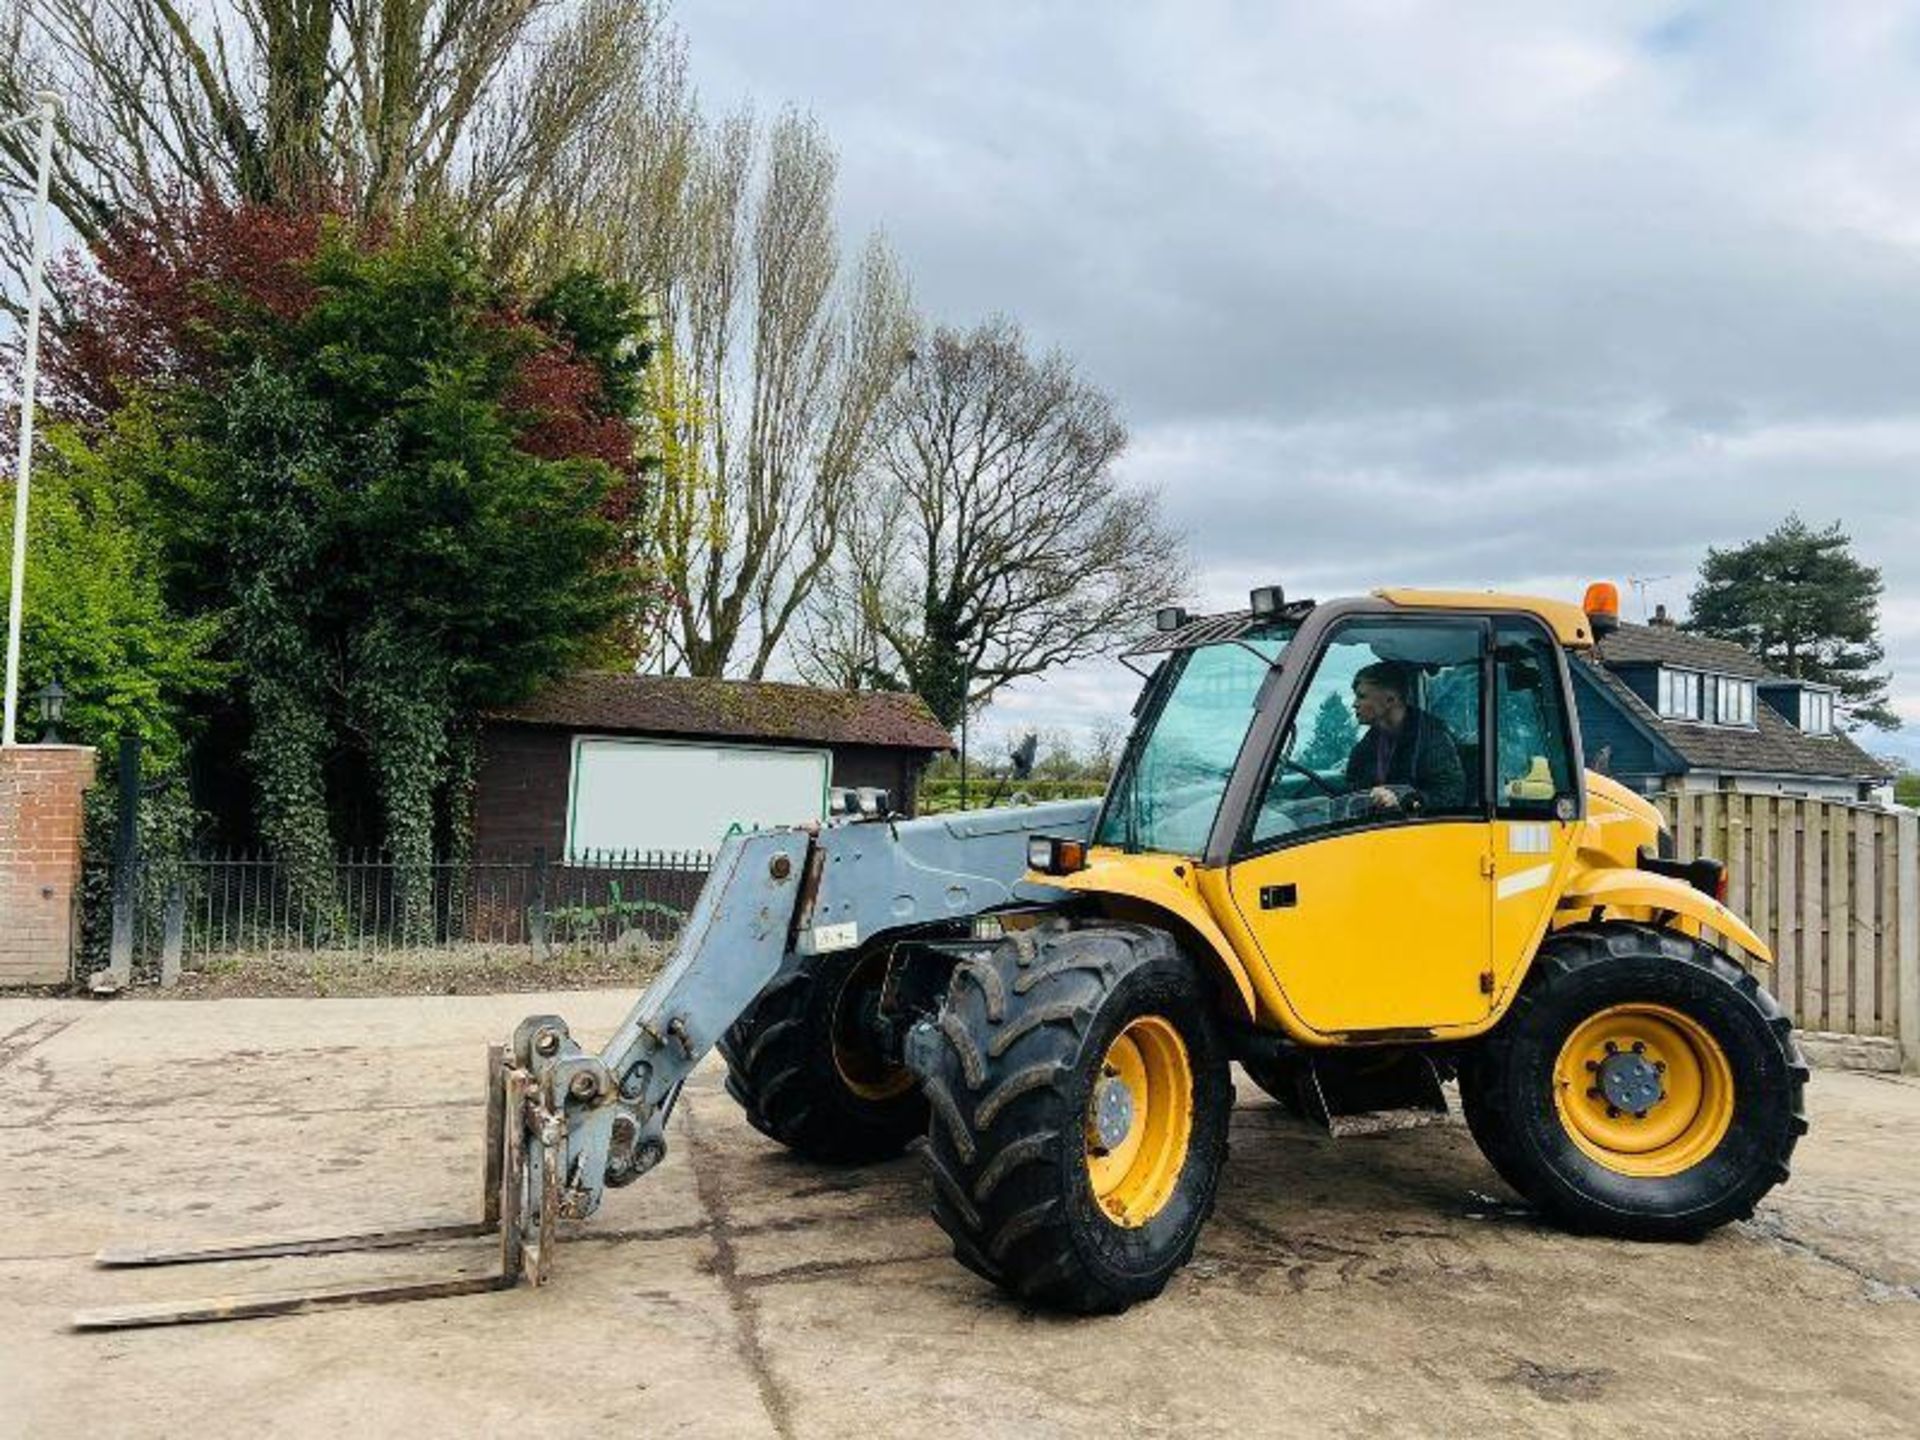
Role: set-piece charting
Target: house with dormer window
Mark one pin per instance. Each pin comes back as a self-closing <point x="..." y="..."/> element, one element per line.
<point x="1662" y="709"/>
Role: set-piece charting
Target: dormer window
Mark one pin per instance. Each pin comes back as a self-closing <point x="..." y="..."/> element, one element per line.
<point x="1710" y="699"/>
<point x="1816" y="712"/>
<point x="1730" y="700"/>
<point x="1679" y="694"/>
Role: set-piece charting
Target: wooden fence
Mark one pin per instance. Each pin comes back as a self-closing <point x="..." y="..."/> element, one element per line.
<point x="1835" y="889"/>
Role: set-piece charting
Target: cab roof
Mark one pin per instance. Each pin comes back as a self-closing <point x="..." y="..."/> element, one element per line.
<point x="1568" y="621"/>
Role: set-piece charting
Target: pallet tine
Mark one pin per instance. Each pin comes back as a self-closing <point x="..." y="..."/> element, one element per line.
<point x="284" y="1302"/>
<point x="494" y="1160"/>
<point x="503" y="1210"/>
<point x="126" y="1257"/>
<point x="510" y="1194"/>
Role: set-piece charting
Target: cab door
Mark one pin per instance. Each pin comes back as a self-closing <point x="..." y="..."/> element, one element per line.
<point x="1374" y="911"/>
<point x="1539" y="790"/>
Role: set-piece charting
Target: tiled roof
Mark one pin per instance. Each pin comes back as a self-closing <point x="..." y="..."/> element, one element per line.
<point x="735" y="709"/>
<point x="1772" y="747"/>
<point x="1667" y="645"/>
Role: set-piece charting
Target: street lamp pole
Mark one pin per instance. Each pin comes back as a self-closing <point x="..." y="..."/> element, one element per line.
<point x="48" y="108"/>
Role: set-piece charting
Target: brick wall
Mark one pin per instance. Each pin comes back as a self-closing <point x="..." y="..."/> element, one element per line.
<point x="520" y="794"/>
<point x="40" y="830"/>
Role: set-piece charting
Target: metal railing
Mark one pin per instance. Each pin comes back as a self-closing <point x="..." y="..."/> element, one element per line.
<point x="183" y="912"/>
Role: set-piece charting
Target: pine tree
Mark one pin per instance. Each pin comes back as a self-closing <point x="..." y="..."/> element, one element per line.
<point x="1801" y="602"/>
<point x="1333" y="735"/>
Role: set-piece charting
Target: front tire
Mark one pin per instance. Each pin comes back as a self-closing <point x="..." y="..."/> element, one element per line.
<point x="1080" y="1096"/>
<point x="1643" y="1085"/>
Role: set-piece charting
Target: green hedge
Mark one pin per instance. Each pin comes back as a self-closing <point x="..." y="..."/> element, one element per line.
<point x="938" y="796"/>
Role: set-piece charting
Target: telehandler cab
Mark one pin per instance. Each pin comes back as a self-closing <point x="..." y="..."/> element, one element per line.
<point x="1350" y="845"/>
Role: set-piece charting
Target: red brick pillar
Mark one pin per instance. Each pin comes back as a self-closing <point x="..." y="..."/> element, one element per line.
<point x="40" y="830"/>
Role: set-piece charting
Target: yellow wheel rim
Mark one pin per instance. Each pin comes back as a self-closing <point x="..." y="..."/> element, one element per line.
<point x="1139" y="1121"/>
<point x="866" y="1074"/>
<point x="1644" y="1090"/>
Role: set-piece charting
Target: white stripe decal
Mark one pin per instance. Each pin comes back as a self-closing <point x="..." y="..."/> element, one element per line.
<point x="1521" y="881"/>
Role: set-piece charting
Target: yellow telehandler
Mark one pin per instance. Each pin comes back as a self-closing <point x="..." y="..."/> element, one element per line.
<point x="1350" y="845"/>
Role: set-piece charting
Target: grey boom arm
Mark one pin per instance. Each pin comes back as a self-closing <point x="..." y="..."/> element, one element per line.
<point x="772" y="898"/>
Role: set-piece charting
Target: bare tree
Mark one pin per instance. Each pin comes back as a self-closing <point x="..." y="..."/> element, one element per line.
<point x="778" y="365"/>
<point x="999" y="543"/>
<point x="483" y="107"/>
<point x="1104" y="742"/>
<point x="617" y="200"/>
<point x="837" y="642"/>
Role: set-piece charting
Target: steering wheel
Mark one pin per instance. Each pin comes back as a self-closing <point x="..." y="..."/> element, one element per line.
<point x="1360" y="805"/>
<point x="1318" y="780"/>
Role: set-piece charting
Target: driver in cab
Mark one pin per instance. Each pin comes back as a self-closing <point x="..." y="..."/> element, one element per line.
<point x="1404" y="749"/>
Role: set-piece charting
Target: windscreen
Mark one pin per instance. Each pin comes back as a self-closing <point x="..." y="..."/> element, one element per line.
<point x="1176" y="770"/>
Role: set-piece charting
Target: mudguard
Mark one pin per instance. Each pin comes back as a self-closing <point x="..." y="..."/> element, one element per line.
<point x="1622" y="889"/>
<point x="1163" y="883"/>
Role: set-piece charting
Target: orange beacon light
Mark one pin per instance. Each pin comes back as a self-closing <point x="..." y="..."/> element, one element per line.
<point x="1602" y="605"/>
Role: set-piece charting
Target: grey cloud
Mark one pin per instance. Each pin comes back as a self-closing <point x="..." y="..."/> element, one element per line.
<point x="1490" y="295"/>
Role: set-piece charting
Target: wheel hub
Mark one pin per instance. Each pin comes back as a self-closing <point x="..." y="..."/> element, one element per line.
<point x="1630" y="1082"/>
<point x="1112" y="1112"/>
<point x="1644" y="1089"/>
<point x="858" y="1054"/>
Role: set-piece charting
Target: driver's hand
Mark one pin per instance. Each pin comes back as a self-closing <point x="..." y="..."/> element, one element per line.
<point x="1383" y="798"/>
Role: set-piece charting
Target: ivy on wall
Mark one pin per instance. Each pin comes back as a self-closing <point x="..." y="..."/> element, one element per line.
<point x="406" y="502"/>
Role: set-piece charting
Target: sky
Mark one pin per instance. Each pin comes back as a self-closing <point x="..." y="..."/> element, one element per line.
<point x="1511" y="295"/>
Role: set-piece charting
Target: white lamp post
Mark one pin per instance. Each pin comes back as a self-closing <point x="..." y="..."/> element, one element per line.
<point x="44" y="112"/>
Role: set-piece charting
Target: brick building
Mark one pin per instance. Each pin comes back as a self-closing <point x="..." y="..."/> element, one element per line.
<point x="602" y="761"/>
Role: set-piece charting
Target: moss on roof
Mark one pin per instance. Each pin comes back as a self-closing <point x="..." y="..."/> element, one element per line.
<point x="734" y="709"/>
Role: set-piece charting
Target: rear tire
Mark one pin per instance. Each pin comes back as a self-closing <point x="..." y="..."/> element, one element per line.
<point x="1080" y="1096"/>
<point x="1552" y="1093"/>
<point x="802" y="1067"/>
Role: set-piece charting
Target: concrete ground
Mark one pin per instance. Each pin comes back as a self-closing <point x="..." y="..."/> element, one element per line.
<point x="1383" y="1285"/>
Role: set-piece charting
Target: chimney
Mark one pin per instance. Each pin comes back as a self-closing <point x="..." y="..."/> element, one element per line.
<point x="1661" y="618"/>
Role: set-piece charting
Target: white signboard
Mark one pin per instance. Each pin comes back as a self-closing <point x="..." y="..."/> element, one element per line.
<point x="663" y="795"/>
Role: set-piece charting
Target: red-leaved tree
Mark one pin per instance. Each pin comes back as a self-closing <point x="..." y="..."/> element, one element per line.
<point x="162" y="298"/>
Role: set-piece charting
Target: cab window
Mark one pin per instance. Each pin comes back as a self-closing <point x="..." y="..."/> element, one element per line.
<point x="1386" y="732"/>
<point x="1176" y="770"/>
<point x="1534" y="770"/>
